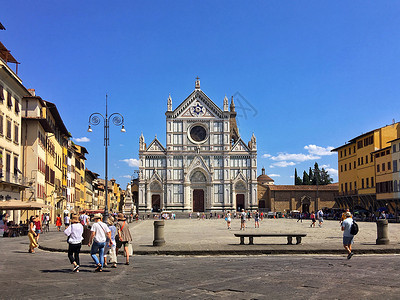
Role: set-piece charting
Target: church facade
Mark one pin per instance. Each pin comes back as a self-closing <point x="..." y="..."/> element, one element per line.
<point x="204" y="166"/>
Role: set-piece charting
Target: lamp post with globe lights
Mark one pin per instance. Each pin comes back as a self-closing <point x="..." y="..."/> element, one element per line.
<point x="117" y="119"/>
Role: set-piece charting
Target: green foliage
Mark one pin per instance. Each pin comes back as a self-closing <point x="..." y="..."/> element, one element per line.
<point x="315" y="176"/>
<point x="297" y="179"/>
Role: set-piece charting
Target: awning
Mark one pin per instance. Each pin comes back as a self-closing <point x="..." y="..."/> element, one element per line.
<point x="21" y="205"/>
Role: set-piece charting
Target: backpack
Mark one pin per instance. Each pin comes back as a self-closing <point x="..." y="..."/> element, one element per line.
<point x="354" y="228"/>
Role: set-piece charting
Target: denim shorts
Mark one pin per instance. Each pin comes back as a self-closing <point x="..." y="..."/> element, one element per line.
<point x="348" y="240"/>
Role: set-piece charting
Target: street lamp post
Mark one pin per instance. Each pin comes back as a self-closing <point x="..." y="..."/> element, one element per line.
<point x="117" y="119"/>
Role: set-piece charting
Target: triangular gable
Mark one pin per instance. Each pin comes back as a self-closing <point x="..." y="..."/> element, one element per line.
<point x="155" y="146"/>
<point x="210" y="108"/>
<point x="239" y="177"/>
<point x="240" y="146"/>
<point x="198" y="162"/>
<point x="156" y="177"/>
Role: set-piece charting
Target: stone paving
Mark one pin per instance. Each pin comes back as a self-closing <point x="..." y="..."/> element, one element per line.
<point x="211" y="237"/>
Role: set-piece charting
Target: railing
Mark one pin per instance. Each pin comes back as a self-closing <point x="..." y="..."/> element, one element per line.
<point x="9" y="177"/>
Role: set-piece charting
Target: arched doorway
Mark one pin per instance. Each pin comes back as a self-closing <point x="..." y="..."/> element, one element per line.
<point x="305" y="202"/>
<point x="155" y="202"/>
<point x="240" y="202"/>
<point x="198" y="183"/>
<point x="198" y="200"/>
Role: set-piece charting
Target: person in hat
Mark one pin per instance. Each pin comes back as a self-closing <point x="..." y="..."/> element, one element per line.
<point x="124" y="236"/>
<point x="100" y="233"/>
<point x="347" y="236"/>
<point x="74" y="233"/>
<point x="110" y="251"/>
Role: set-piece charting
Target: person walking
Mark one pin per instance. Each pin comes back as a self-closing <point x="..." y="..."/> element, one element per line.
<point x="66" y="220"/>
<point x="58" y="222"/>
<point x="243" y="220"/>
<point x="300" y="217"/>
<point x="38" y="225"/>
<point x="320" y="215"/>
<point x="348" y="238"/>
<point x="32" y="235"/>
<point x="257" y="219"/>
<point x="312" y="219"/>
<point x="97" y="240"/>
<point x="124" y="236"/>
<point x="110" y="250"/>
<point x="74" y="233"/>
<point x="228" y="219"/>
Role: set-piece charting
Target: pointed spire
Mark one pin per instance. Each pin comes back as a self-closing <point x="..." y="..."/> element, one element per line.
<point x="142" y="145"/>
<point x="263" y="171"/>
<point x="197" y="85"/>
<point x="226" y="104"/>
<point x="169" y="103"/>
<point x="232" y="105"/>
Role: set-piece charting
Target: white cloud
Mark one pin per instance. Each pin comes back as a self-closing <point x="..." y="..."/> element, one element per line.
<point x="266" y="156"/>
<point x="300" y="157"/>
<point x="317" y="150"/>
<point x="283" y="164"/>
<point x="332" y="171"/>
<point x="291" y="176"/>
<point x="132" y="162"/>
<point x="325" y="166"/>
<point x="126" y="176"/>
<point x="83" y="139"/>
<point x="274" y="175"/>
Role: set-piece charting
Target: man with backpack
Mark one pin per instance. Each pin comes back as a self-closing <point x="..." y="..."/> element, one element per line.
<point x="347" y="234"/>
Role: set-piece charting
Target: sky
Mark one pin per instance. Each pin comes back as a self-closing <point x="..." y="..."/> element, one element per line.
<point x="306" y="76"/>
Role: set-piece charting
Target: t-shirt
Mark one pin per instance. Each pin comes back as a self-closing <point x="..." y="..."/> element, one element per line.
<point x="100" y="230"/>
<point x="83" y="219"/>
<point x="346" y="224"/>
<point x="74" y="232"/>
<point x="66" y="220"/>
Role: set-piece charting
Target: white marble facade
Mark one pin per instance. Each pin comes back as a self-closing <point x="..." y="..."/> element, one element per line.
<point x="205" y="165"/>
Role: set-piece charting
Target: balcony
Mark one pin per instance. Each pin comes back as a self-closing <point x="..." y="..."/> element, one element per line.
<point x="7" y="177"/>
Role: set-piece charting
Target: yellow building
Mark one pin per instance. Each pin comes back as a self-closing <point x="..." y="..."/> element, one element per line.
<point x="80" y="185"/>
<point x="357" y="178"/>
<point x="12" y="183"/>
<point x="395" y="146"/>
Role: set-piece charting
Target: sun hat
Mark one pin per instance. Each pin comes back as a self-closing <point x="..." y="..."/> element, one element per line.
<point x="348" y="214"/>
<point x="121" y="217"/>
<point x="98" y="216"/>
<point x="110" y="220"/>
<point x="75" y="219"/>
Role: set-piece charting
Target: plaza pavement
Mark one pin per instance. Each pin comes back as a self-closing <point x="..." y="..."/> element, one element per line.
<point x="211" y="237"/>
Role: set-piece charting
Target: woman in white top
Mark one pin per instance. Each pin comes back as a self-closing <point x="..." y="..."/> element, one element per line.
<point x="100" y="232"/>
<point x="74" y="233"/>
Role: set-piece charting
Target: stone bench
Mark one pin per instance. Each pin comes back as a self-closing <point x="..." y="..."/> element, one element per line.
<point x="289" y="236"/>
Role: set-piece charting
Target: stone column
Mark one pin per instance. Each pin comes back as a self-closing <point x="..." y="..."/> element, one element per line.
<point x="382" y="232"/>
<point x="158" y="233"/>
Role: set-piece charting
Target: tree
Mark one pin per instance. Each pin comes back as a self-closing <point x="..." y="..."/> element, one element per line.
<point x="325" y="177"/>
<point x="310" y="175"/>
<point x="306" y="178"/>
<point x="316" y="175"/>
<point x="297" y="179"/>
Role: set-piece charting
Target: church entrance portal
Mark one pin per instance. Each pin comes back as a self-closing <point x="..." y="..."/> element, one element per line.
<point x="240" y="202"/>
<point x="155" y="203"/>
<point x="198" y="200"/>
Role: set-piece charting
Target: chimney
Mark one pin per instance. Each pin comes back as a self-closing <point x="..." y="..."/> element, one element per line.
<point x="32" y="91"/>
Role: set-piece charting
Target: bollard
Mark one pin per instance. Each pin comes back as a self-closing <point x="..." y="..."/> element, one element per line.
<point x="382" y="230"/>
<point x="158" y="233"/>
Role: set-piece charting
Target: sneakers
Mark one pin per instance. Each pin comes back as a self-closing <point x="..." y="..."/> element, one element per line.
<point x="127" y="263"/>
<point x="350" y="255"/>
<point x="76" y="269"/>
<point x="114" y="266"/>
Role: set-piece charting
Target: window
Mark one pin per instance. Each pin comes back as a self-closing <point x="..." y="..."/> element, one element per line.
<point x="341" y="168"/>
<point x="358" y="161"/>
<point x="16" y="133"/>
<point x="372" y="181"/>
<point x="355" y="166"/>
<point x="389" y="165"/>
<point x="362" y="160"/>
<point x="378" y="168"/>
<point x="16" y="106"/>
<point x="359" y="144"/>
<point x="345" y="167"/>
<point x="9" y="101"/>
<point x="1" y="124"/>
<point x="367" y="182"/>
<point x="345" y="187"/>
<point x="355" y="185"/>
<point x="349" y="166"/>
<point x="219" y="193"/>
<point x="395" y="185"/>
<point x="349" y="151"/>
<point x="9" y="129"/>
<point x="350" y="186"/>
<point x="383" y="167"/>
<point x="345" y="152"/>
<point x="395" y="166"/>
<point x="16" y="169"/>
<point x="362" y="183"/>
<point x="1" y="94"/>
<point x="394" y="148"/>
<point x="341" y="154"/>
<point x="366" y="159"/>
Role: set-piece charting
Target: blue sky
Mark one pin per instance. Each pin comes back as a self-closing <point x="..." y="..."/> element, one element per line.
<point x="309" y="75"/>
